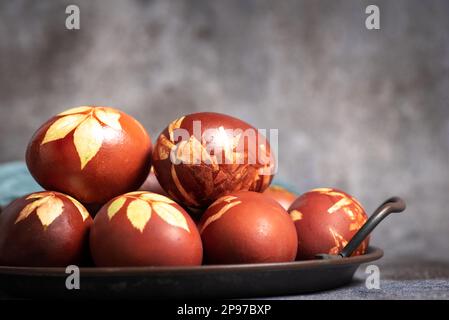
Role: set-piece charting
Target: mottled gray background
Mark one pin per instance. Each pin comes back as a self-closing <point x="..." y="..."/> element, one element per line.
<point x="365" y="111"/>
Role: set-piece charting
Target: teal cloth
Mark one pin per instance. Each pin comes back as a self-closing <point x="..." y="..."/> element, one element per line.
<point x="15" y="181"/>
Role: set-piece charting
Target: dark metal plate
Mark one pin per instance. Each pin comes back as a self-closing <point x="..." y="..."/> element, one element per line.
<point x="215" y="281"/>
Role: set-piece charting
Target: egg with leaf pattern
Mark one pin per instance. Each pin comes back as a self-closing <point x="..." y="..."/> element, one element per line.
<point x="325" y="220"/>
<point x="91" y="153"/>
<point x="144" y="229"/>
<point x="44" y="229"/>
<point x="202" y="156"/>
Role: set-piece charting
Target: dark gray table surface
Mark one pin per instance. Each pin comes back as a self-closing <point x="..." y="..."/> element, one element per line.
<point x="409" y="279"/>
<point x="400" y="277"/>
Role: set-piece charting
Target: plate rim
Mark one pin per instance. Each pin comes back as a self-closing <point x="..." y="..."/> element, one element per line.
<point x="374" y="253"/>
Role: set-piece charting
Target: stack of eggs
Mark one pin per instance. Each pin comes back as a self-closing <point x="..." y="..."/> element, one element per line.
<point x="207" y="197"/>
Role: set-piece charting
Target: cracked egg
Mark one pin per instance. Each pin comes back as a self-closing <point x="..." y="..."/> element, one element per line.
<point x="203" y="156"/>
<point x="144" y="229"/>
<point x="326" y="219"/>
<point x="247" y="227"/>
<point x="91" y="153"/>
<point x="44" y="229"/>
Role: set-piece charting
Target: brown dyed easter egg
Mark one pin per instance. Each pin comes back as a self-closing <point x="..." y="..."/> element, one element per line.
<point x="326" y="219"/>
<point x="90" y="153"/>
<point x="203" y="156"/>
<point x="281" y="195"/>
<point x="247" y="227"/>
<point x="144" y="229"/>
<point x="44" y="229"/>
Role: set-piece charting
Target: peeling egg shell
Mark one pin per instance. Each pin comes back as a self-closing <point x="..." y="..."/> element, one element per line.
<point x="144" y="229"/>
<point x="283" y="196"/>
<point x="247" y="227"/>
<point x="326" y="219"/>
<point x="44" y="229"/>
<point x="210" y="175"/>
<point x="91" y="153"/>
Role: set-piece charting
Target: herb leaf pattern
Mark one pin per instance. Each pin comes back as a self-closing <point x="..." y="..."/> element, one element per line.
<point x="46" y="205"/>
<point x="86" y="122"/>
<point x="143" y="204"/>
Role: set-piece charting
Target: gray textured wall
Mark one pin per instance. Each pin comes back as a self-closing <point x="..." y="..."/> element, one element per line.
<point x="366" y="111"/>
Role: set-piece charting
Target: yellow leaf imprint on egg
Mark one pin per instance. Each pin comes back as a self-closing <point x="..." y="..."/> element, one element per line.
<point x="62" y="127"/>
<point x="48" y="211"/>
<point x="349" y="213"/>
<point x="134" y="193"/>
<point x="176" y="124"/>
<point x="354" y="226"/>
<point x="156" y="197"/>
<point x="192" y="152"/>
<point x="171" y="215"/>
<point x="29" y="208"/>
<point x="139" y="213"/>
<point x="38" y="195"/>
<point x="88" y="138"/>
<point x="115" y="206"/>
<point x="296" y="215"/>
<point x="81" y="109"/>
<point x="109" y="117"/>
<point x="219" y="214"/>
<point x="321" y="190"/>
<point x="228" y="198"/>
<point x="339" y="241"/>
<point x="339" y="204"/>
<point x="186" y="153"/>
<point x="334" y="193"/>
<point x="164" y="147"/>
<point x="359" y="220"/>
<point x="46" y="205"/>
<point x="221" y="199"/>
<point x="82" y="210"/>
<point x="88" y="135"/>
